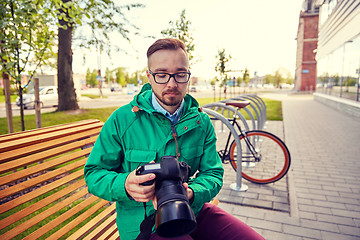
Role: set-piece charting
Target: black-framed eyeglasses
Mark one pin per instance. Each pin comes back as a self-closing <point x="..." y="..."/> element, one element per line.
<point x="162" y="78"/>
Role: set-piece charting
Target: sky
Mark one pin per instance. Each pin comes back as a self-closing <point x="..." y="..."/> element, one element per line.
<point x="260" y="35"/>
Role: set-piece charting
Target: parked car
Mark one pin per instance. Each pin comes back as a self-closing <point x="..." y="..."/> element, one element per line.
<point x="115" y="89"/>
<point x="48" y="97"/>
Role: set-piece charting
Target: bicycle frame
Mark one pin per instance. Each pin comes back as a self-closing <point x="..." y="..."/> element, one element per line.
<point x="224" y="154"/>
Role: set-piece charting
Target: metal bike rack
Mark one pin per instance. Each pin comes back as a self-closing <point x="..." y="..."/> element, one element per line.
<point x="261" y="102"/>
<point x="237" y="186"/>
<point x="258" y="116"/>
<point x="260" y="105"/>
<point x="222" y="105"/>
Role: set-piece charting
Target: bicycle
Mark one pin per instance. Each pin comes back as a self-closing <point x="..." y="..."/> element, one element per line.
<point x="265" y="157"/>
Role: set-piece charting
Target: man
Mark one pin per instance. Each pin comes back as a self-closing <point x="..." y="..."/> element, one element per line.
<point x="161" y="121"/>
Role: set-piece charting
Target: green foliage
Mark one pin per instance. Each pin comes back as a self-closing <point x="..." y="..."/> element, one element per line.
<point x="100" y="17"/>
<point x="246" y="76"/>
<point x="91" y="77"/>
<point x="180" y="29"/>
<point x="278" y="77"/>
<point x="222" y="58"/>
<point x="121" y="76"/>
<point x="27" y="37"/>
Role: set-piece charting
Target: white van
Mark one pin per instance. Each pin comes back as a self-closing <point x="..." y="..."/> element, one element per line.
<point x="48" y="97"/>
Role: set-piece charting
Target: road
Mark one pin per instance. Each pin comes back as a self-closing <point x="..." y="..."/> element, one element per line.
<point x="112" y="99"/>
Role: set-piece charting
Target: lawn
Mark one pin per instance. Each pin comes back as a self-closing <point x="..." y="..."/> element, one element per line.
<point x="273" y="111"/>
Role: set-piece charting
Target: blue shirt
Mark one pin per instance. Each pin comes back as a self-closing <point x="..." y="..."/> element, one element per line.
<point x="174" y="118"/>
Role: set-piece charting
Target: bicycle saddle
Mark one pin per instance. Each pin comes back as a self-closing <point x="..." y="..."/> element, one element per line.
<point x="238" y="104"/>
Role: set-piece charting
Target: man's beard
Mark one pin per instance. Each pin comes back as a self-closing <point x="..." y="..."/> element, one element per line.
<point x="173" y="101"/>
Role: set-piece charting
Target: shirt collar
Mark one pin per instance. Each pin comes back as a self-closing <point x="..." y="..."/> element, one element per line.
<point x="174" y="118"/>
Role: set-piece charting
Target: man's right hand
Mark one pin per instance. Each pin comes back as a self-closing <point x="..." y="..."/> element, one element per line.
<point x="138" y="192"/>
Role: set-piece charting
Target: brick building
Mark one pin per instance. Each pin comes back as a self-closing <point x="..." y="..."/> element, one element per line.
<point x="307" y="39"/>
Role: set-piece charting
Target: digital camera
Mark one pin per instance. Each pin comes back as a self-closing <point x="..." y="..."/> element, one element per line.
<point x="174" y="216"/>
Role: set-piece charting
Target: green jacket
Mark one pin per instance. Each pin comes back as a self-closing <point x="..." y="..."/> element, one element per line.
<point x="136" y="134"/>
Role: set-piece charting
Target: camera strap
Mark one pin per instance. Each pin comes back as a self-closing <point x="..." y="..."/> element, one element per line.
<point x="146" y="226"/>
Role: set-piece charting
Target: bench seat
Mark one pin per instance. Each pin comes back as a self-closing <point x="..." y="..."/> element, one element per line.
<point x="43" y="194"/>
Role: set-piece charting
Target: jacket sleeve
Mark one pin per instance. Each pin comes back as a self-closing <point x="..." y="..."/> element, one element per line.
<point x="209" y="178"/>
<point x="103" y="171"/>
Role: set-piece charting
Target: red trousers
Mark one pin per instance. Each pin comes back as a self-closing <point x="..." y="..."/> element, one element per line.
<point x="215" y="223"/>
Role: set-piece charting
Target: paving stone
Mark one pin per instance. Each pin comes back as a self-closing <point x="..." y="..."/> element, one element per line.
<point x="331" y="227"/>
<point x="300" y="231"/>
<point x="355" y="231"/>
<point x="270" y="235"/>
<point x="265" y="224"/>
<point x="335" y="219"/>
<point x="346" y="213"/>
<point x="314" y="209"/>
<point x="336" y="236"/>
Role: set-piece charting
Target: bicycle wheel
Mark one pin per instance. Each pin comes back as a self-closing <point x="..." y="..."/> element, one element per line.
<point x="269" y="160"/>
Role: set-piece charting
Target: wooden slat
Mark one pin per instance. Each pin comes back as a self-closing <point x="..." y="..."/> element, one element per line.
<point x="52" y="147"/>
<point x="93" y="223"/>
<point x="8" y="146"/>
<point x="38" y="218"/>
<point x="114" y="237"/>
<point x="79" y="219"/>
<point x="112" y="231"/>
<point x="40" y="179"/>
<point x="101" y="229"/>
<point x="41" y="167"/>
<point x="40" y="191"/>
<point x="40" y="204"/>
<point x="26" y="151"/>
<point x="60" y="219"/>
<point x="38" y="131"/>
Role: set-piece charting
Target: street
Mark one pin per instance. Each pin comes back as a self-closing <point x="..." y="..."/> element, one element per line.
<point x="112" y="99"/>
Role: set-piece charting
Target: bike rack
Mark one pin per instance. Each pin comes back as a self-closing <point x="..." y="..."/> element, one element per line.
<point x="237" y="186"/>
<point x="258" y="116"/>
<point x="261" y="102"/>
<point x="221" y="105"/>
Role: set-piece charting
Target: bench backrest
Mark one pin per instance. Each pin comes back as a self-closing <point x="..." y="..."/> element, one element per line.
<point x="42" y="188"/>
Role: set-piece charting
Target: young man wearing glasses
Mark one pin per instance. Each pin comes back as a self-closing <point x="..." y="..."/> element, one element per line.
<point x="162" y="120"/>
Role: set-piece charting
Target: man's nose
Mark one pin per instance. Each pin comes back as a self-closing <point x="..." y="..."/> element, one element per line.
<point x="172" y="83"/>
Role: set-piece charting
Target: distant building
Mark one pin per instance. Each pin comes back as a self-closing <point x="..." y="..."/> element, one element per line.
<point x="307" y="41"/>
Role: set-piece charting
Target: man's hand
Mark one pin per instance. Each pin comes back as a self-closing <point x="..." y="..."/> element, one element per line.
<point x="138" y="192"/>
<point x="189" y="191"/>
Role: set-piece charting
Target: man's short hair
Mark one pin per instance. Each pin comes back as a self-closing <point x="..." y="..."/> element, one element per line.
<point x="166" y="44"/>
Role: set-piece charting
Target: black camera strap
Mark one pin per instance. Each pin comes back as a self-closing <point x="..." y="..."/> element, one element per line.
<point x="146" y="226"/>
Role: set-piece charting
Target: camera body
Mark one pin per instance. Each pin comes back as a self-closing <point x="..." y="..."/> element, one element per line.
<point x="174" y="216"/>
<point x="168" y="169"/>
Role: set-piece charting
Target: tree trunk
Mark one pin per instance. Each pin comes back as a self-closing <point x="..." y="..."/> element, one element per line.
<point x="66" y="90"/>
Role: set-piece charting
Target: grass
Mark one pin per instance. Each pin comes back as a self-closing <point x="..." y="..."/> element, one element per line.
<point x="12" y="98"/>
<point x="273" y="111"/>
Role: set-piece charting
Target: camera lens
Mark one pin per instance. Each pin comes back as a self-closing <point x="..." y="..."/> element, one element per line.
<point x="175" y="219"/>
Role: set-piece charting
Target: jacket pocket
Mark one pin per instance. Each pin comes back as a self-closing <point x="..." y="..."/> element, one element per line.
<point x="136" y="157"/>
<point x="192" y="155"/>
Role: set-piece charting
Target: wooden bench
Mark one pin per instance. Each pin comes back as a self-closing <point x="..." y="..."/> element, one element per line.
<point x="42" y="188"/>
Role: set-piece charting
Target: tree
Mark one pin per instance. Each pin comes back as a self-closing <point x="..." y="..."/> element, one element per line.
<point x="101" y="17"/>
<point x="26" y="41"/>
<point x="222" y="59"/>
<point x="91" y="77"/>
<point x="246" y="76"/>
<point x="121" y="76"/>
<point x="180" y="29"/>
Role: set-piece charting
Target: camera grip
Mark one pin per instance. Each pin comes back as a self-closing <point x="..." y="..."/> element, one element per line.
<point x="148" y="183"/>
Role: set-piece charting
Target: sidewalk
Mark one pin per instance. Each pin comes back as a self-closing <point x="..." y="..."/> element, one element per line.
<point x="320" y="197"/>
